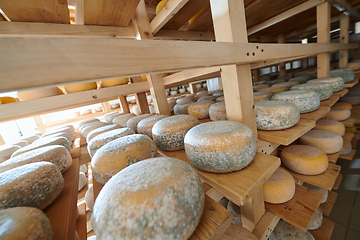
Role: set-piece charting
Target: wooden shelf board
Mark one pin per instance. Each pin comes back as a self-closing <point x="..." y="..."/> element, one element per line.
<point x="325" y="231"/>
<point x="331" y="101"/>
<point x="337" y="182"/>
<point x="82" y="192"/>
<point x="342" y="92"/>
<point x="84" y="157"/>
<point x="81" y="222"/>
<point x="316" y="115"/>
<point x="349" y="122"/>
<point x="300" y="209"/>
<point x="327" y="206"/>
<point x="333" y="157"/>
<point x="287" y="136"/>
<point x="349" y="156"/>
<point x="324" y="180"/>
<point x="347" y="139"/>
<point x="237" y="186"/>
<point x="352" y="83"/>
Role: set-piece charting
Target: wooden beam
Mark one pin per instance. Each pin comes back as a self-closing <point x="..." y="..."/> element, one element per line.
<point x="79" y="14"/>
<point x="285" y="15"/>
<point x="353" y="12"/>
<point x="124" y="104"/>
<point x="344" y="38"/>
<point x="323" y="36"/>
<point x="166" y="13"/>
<point x="164" y="34"/>
<point x="275" y="61"/>
<point x="140" y="98"/>
<point x="282" y="66"/>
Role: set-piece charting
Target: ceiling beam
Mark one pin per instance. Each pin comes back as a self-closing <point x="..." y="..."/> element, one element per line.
<point x="346" y="7"/>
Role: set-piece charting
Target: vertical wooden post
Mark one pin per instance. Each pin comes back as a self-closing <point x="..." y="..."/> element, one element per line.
<point x="344" y="38"/>
<point x="256" y="75"/>
<point x="253" y="210"/>
<point x="79" y="13"/>
<point x="106" y="107"/>
<point x="156" y="83"/>
<point x="124" y="104"/>
<point x="141" y="100"/>
<point x="323" y="36"/>
<point x="282" y="66"/>
<point x="193" y="88"/>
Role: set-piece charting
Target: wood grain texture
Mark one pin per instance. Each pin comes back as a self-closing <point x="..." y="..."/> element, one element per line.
<point x="347" y="139"/>
<point x="36" y="11"/>
<point x="323" y="36"/>
<point x="109" y="12"/>
<point x="341" y="93"/>
<point x="266" y="225"/>
<point x="327" y="206"/>
<point x="349" y="156"/>
<point x="353" y="83"/>
<point x="349" y="122"/>
<point x="330" y="102"/>
<point x="344" y="38"/>
<point x="337" y="182"/>
<point x="317" y="114"/>
<point x="325" y="231"/>
<point x="333" y="157"/>
<point x="81" y="222"/>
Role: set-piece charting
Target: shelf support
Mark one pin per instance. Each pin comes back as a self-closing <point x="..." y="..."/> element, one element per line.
<point x="253" y="210"/>
<point x="323" y="36"/>
<point x="124" y="104"/>
<point x="282" y="65"/>
<point x="193" y="88"/>
<point x="141" y="100"/>
<point x="344" y="38"/>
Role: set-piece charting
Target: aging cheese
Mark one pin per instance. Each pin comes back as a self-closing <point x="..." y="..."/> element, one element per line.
<point x="305" y="100"/>
<point x="260" y="86"/>
<point x="339" y="113"/>
<point x="316" y="220"/>
<point x="284" y="230"/>
<point x="65" y="131"/>
<point x="82" y="181"/>
<point x="237" y="232"/>
<point x="122" y="120"/>
<point x="217" y="111"/>
<point x="327" y="141"/>
<point x="274" y="89"/>
<point x="200" y="95"/>
<point x="158" y="198"/>
<point x="181" y="108"/>
<point x="6" y="151"/>
<point x="6" y="100"/>
<point x="220" y="146"/>
<point x="218" y="93"/>
<point x="187" y="99"/>
<point x="87" y="121"/>
<point x="288" y="85"/>
<point x="103" y="138"/>
<point x="207" y="98"/>
<point x="345" y="73"/>
<point x="200" y="110"/>
<point x="262" y="96"/>
<point x="336" y="82"/>
<point x="304" y="159"/>
<point x="133" y="122"/>
<point x="31" y="139"/>
<point x="220" y="99"/>
<point x="109" y="117"/>
<point x="325" y="90"/>
<point x="145" y="125"/>
<point x="343" y="105"/>
<point x="24" y="223"/>
<point x="300" y="79"/>
<point x="276" y="115"/>
<point x="323" y="191"/>
<point x="79" y="87"/>
<point x="169" y="133"/>
<point x="38" y="93"/>
<point x="330" y="125"/>
<point x="32" y="185"/>
<point x="101" y="130"/>
<point x="88" y="128"/>
<point x="21" y="143"/>
<point x="119" y="154"/>
<point x="89" y="197"/>
<point x="346" y="150"/>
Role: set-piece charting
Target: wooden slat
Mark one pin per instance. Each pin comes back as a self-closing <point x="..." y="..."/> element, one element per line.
<point x="266" y="225"/>
<point x="252" y="177"/>
<point x="300" y="209"/>
<point x="350" y="156"/>
<point x="109" y="12"/>
<point x="333" y="157"/>
<point x="353" y="83"/>
<point x="337" y="182"/>
<point x="349" y="122"/>
<point x="342" y="92"/>
<point x="325" y="231"/>
<point x="81" y="222"/>
<point x="317" y="114"/>
<point x="347" y="139"/>
<point x="164" y="34"/>
<point x="353" y="12"/>
<point x="344" y="38"/>
<point x="287" y="136"/>
<point x="36" y="11"/>
<point x="323" y="36"/>
<point x="331" y="101"/>
<point x="327" y="206"/>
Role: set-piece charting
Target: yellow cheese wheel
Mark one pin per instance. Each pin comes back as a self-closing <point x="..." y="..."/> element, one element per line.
<point x="237" y="232"/>
<point x="327" y="141"/>
<point x="343" y="105"/>
<point x="339" y="113"/>
<point x="73" y="88"/>
<point x="260" y="86"/>
<point x="200" y="110"/>
<point x="280" y="187"/>
<point x="304" y="159"/>
<point x="38" y="93"/>
<point x="191" y="20"/>
<point x="330" y="125"/>
<point x="6" y="100"/>
<point x="262" y="96"/>
<point x="160" y="6"/>
<point x="114" y="82"/>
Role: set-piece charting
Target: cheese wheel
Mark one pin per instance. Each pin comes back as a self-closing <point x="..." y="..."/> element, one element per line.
<point x="80" y="87"/>
<point x="24" y="223"/>
<point x="305" y="100"/>
<point x="101" y="130"/>
<point x="171" y="103"/>
<point x="207" y="98"/>
<point x="278" y="80"/>
<point x="31" y="185"/>
<point x="262" y="96"/>
<point x="6" y="100"/>
<point x="146" y="124"/>
<point x="339" y="114"/>
<point x="343" y="105"/>
<point x="280" y="187"/>
<point x="200" y="95"/>
<point x="55" y="154"/>
<point x="237" y="232"/>
<point x="169" y="133"/>
<point x="325" y="90"/>
<point x="87" y="121"/>
<point x="200" y="110"/>
<point x="284" y="230"/>
<point x="274" y="89"/>
<point x="89" y="197"/>
<point x="235" y="211"/>
<point x="316" y="220"/>
<point x="109" y="117"/>
<point x="224" y="202"/>
<point x="82" y="181"/>
<point x="217" y="111"/>
<point x="220" y="99"/>
<point x="346" y="150"/>
<point x="66" y="132"/>
<point x="304" y="159"/>
<point x="31" y="139"/>
<point x="52" y="135"/>
<point x="327" y="141"/>
<point x="114" y="82"/>
<point x="220" y="146"/>
<point x="187" y="99"/>
<point x="336" y="82"/>
<point x="119" y="154"/>
<point x="160" y="6"/>
<point x="83" y="168"/>
<point x="276" y="115"/>
<point x="88" y="128"/>
<point x="181" y="108"/>
<point x="38" y="93"/>
<point x="133" y="122"/>
<point x="330" y="125"/>
<point x="300" y="79"/>
<point x="260" y="86"/>
<point x="323" y="191"/>
<point x="288" y="85"/>
<point x="122" y="120"/>
<point x="218" y="93"/>
<point x="21" y="143"/>
<point x="6" y="151"/>
<point x="158" y="198"/>
<point x="345" y="73"/>
<point x="100" y="140"/>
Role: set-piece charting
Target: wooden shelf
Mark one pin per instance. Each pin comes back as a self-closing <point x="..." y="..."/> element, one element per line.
<point x="342" y="92"/>
<point x="324" y="180"/>
<point x="81" y="222"/>
<point x="287" y="136"/>
<point x="337" y="182"/>
<point x="347" y="139"/>
<point x="237" y="186"/>
<point x="300" y="209"/>
<point x="325" y="231"/>
<point x="349" y="156"/>
<point x="316" y="115"/>
<point x="333" y="157"/>
<point x="352" y="83"/>
<point x="349" y="122"/>
<point x="327" y="206"/>
<point x="331" y="101"/>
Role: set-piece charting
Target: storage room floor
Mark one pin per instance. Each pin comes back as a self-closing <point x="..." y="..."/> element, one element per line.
<point x="346" y="210"/>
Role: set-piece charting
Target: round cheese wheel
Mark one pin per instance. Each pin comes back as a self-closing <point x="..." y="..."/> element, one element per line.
<point x="343" y="105"/>
<point x="83" y="168"/>
<point x="339" y="113"/>
<point x="288" y="85"/>
<point x="187" y="99"/>
<point x="200" y="95"/>
<point x="21" y="143"/>
<point x="274" y="89"/>
<point x="169" y="133"/>
<point x="24" y="223"/>
<point x="38" y="93"/>
<point x="220" y="99"/>
<point x="316" y="220"/>
<point x="325" y="90"/>
<point x="79" y="87"/>
<point x="262" y="96"/>
<point x="6" y="151"/>
<point x="336" y="82"/>
<point x="278" y="80"/>
<point x="31" y="139"/>
<point x="87" y="121"/>
<point x="220" y="146"/>
<point x="55" y="154"/>
<point x="90" y="127"/>
<point x="217" y="111"/>
<point x="304" y="159"/>
<point x="345" y="73"/>
<point x="346" y="150"/>
<point x="122" y="120"/>
<point x="101" y="130"/>
<point x="323" y="191"/>
<point x="305" y="100"/>
<point x="218" y="93"/>
<point x="235" y="211"/>
<point x="114" y="82"/>
<point x="207" y="98"/>
<point x="119" y="154"/>
<point x="276" y="115"/>
<point x="133" y="122"/>
<point x="6" y="100"/>
<point x="284" y="230"/>
<point x="89" y="197"/>
<point x="82" y="181"/>
<point x="146" y="124"/>
<point x="68" y="133"/>
<point x="160" y="6"/>
<point x="280" y="187"/>
<point x="200" y="110"/>
<point x="109" y="117"/>
<point x="260" y="86"/>
<point x="31" y="185"/>
<point x="330" y="125"/>
<point x="158" y="198"/>
<point x="103" y="138"/>
<point x="299" y="79"/>
<point x="237" y="232"/>
<point x="181" y="108"/>
<point x="327" y="141"/>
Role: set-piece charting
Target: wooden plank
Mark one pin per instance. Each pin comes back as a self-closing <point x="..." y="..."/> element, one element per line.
<point x="325" y="231"/>
<point x="51" y="30"/>
<point x="36" y="11"/>
<point x="300" y="209"/>
<point x="124" y="105"/>
<point x="253" y="210"/>
<point x="287" y="136"/>
<point x="284" y="15"/>
<point x="337" y="182"/>
<point x="347" y="139"/>
<point x="324" y="180"/>
<point x="349" y="122"/>
<point x="333" y="157"/>
<point x="352" y="83"/>
<point x="79" y="58"/>
<point x="140" y="98"/>
<point x="344" y="38"/>
<point x="341" y="93"/>
<point x="266" y="63"/>
<point x="282" y="66"/>
<point x="353" y="12"/>
<point x="50" y="104"/>
<point x="81" y="222"/>
<point x="317" y="114"/>
<point x="331" y="101"/>
<point x="323" y="36"/>
<point x="266" y="225"/>
<point x="165" y="34"/>
<point x="327" y="206"/>
<point x="237" y="186"/>
<point x="109" y="12"/>
<point x="349" y="156"/>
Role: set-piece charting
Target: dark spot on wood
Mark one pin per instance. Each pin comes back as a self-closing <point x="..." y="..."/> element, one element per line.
<point x="94" y="97"/>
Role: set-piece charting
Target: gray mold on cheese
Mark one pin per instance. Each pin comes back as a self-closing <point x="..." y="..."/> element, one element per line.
<point x="325" y="90"/>
<point x="305" y="100"/>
